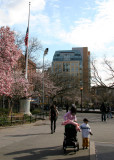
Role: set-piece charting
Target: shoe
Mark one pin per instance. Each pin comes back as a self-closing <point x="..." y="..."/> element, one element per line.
<point x="51" y="132"/>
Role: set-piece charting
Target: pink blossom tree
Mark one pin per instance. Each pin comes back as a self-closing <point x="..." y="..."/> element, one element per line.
<point x="9" y="54"/>
<point x="13" y="85"/>
<point x="20" y="87"/>
<point x="49" y="88"/>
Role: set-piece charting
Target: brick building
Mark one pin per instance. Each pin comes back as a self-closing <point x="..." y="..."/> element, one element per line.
<point x="20" y="67"/>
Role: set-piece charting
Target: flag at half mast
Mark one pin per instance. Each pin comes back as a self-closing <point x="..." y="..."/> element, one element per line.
<point x="26" y="38"/>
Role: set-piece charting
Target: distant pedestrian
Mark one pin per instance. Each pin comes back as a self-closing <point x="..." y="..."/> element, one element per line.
<point x="71" y="115"/>
<point x="53" y="115"/>
<point x="86" y="132"/>
<point x="67" y="107"/>
<point x="109" y="111"/>
<point x="103" y="111"/>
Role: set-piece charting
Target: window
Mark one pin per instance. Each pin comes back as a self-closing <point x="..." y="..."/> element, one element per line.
<point x="60" y="67"/>
<point x="66" y="67"/>
<point x="77" y="69"/>
<point x="57" y="55"/>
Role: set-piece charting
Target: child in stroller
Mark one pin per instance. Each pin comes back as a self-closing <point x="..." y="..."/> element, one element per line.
<point x="70" y="135"/>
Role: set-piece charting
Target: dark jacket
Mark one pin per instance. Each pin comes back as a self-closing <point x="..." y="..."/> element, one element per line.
<point x="103" y="107"/>
<point x="53" y="112"/>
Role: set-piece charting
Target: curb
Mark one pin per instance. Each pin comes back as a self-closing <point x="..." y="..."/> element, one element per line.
<point x="92" y="151"/>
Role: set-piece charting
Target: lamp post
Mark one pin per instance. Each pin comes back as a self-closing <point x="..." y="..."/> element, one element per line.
<point x="81" y="89"/>
<point x="45" y="52"/>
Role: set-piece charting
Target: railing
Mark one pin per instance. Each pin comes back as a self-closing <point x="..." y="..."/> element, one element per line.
<point x="11" y="120"/>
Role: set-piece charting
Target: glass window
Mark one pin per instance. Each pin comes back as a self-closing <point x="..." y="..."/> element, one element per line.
<point x="72" y="69"/>
<point x="60" y="68"/>
<point x="66" y="67"/>
<point x="77" y="69"/>
<point x="72" y="64"/>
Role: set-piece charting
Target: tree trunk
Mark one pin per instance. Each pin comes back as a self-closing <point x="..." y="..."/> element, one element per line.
<point x="10" y="107"/>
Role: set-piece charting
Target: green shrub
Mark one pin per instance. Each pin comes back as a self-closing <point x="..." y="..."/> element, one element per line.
<point x="36" y="111"/>
<point x="28" y="118"/>
<point x="4" y="121"/>
<point x="3" y="112"/>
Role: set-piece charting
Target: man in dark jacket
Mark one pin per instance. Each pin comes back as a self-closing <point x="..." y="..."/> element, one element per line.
<point x="103" y="112"/>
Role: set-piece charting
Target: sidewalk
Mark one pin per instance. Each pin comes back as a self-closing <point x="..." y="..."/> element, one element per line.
<point x="35" y="141"/>
<point x="91" y="154"/>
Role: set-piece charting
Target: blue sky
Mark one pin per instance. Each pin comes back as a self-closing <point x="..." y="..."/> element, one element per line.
<point x="63" y="24"/>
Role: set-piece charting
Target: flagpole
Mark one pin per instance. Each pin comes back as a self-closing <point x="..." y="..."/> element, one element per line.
<point x="45" y="52"/>
<point x="26" y="68"/>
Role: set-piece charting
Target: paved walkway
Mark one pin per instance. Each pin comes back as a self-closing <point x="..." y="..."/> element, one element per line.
<point x="34" y="141"/>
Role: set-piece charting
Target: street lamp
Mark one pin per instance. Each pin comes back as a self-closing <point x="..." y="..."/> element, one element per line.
<point x="81" y="89"/>
<point x="45" y="52"/>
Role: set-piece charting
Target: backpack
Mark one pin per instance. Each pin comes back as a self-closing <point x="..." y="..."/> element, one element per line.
<point x="53" y="113"/>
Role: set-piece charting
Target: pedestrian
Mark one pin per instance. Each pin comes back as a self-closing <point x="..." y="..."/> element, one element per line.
<point x="86" y="132"/>
<point x="71" y="115"/>
<point x="53" y="115"/>
<point x="103" y="111"/>
<point x="67" y="107"/>
<point x="109" y="111"/>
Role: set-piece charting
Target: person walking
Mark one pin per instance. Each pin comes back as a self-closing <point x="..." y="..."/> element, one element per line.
<point x="71" y="115"/>
<point x="103" y="111"/>
<point x="67" y="107"/>
<point x="86" y="132"/>
<point x="53" y="115"/>
<point x="109" y="111"/>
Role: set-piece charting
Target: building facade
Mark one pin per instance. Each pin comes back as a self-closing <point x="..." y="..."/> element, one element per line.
<point x="75" y="63"/>
<point x="20" y="67"/>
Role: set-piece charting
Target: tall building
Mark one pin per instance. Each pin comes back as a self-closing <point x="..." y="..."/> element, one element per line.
<point x="76" y="63"/>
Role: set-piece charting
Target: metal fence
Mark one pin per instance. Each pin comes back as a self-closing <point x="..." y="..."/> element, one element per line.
<point x="11" y="120"/>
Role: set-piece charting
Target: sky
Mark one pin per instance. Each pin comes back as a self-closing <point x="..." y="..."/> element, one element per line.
<point x="63" y="24"/>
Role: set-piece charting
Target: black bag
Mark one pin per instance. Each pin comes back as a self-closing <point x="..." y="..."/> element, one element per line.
<point x="53" y="113"/>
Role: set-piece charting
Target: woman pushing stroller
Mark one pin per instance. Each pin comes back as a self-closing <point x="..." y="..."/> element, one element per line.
<point x="70" y="118"/>
<point x="71" y="128"/>
<point x="71" y="115"/>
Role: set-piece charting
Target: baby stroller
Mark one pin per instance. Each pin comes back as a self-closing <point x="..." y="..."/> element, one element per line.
<point x="70" y="138"/>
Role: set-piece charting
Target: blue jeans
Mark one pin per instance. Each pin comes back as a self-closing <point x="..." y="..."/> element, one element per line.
<point x="109" y="114"/>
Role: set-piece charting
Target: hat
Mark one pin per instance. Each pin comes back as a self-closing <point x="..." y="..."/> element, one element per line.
<point x="85" y="120"/>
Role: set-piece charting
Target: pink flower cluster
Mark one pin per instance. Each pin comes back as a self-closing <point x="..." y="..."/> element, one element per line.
<point x="9" y="54"/>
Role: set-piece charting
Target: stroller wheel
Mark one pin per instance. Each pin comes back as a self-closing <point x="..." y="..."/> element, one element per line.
<point x="75" y="150"/>
<point x="78" y="147"/>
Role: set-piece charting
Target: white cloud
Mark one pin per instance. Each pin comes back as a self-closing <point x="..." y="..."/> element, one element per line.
<point x="16" y="11"/>
<point x="93" y="33"/>
<point x="96" y="33"/>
